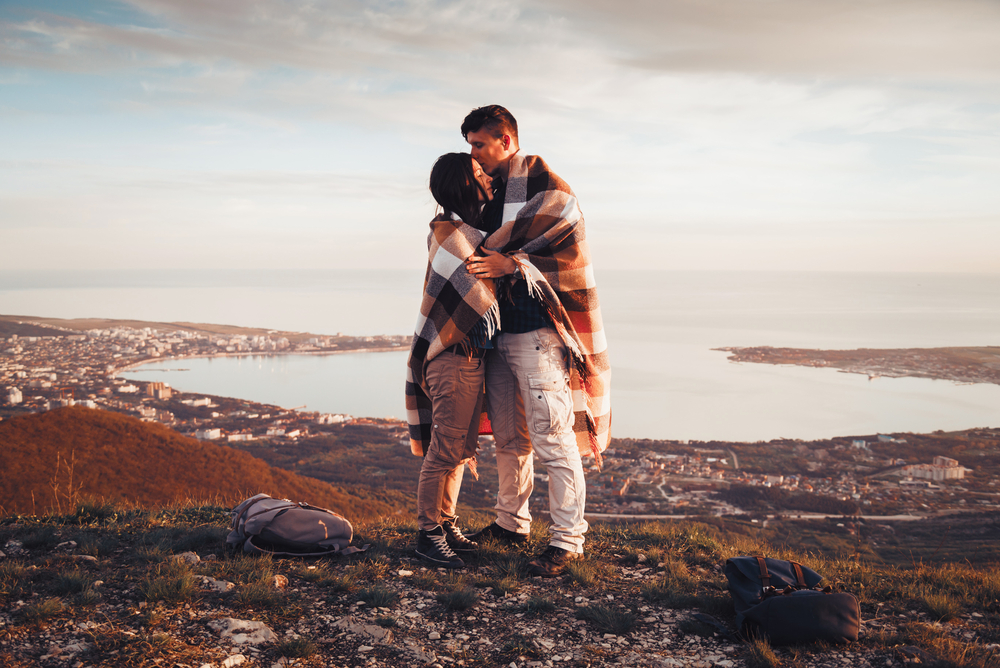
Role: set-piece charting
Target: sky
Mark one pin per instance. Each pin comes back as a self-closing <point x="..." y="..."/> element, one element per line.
<point x="826" y="135"/>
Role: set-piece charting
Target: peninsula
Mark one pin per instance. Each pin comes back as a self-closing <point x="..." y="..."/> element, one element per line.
<point x="960" y="365"/>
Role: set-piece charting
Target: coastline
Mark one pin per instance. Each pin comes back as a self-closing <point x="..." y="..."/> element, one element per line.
<point x="963" y="365"/>
<point x="170" y="358"/>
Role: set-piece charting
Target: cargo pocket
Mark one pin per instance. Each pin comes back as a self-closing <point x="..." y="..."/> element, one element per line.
<point x="551" y="401"/>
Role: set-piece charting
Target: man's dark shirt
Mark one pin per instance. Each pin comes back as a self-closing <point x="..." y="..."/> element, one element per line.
<point x="519" y="312"/>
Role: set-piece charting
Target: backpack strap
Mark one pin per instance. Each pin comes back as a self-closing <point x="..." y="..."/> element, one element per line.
<point x="765" y="577"/>
<point x="799" y="576"/>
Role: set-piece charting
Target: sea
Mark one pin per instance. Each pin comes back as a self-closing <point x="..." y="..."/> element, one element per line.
<point x="664" y="328"/>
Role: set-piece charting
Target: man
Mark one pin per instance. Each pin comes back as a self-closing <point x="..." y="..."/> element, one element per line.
<point x="548" y="377"/>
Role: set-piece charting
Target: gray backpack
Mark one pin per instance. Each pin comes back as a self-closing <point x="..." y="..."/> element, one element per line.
<point x="283" y="528"/>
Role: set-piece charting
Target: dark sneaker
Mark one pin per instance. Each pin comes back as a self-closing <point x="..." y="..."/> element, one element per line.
<point x="456" y="539"/>
<point x="432" y="546"/>
<point x="499" y="534"/>
<point x="552" y="562"/>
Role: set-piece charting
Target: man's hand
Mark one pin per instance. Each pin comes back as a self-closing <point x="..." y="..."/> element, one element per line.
<point x="494" y="265"/>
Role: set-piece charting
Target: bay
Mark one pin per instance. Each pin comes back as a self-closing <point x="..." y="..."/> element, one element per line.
<point x="662" y="327"/>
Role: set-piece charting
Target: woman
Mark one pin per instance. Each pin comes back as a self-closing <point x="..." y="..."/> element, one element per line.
<point x="445" y="372"/>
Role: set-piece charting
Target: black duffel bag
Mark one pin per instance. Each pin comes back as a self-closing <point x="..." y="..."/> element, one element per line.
<point x="782" y="601"/>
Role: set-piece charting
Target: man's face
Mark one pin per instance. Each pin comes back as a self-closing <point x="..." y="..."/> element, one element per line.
<point x="493" y="153"/>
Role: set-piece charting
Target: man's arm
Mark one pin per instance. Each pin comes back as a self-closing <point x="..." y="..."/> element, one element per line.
<point x="494" y="265"/>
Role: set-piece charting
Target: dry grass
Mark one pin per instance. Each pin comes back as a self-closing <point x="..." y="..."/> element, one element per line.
<point x="135" y="550"/>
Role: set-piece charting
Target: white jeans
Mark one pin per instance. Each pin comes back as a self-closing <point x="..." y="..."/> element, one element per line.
<point x="530" y="404"/>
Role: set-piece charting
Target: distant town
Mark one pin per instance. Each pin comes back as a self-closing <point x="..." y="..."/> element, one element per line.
<point x="881" y="476"/>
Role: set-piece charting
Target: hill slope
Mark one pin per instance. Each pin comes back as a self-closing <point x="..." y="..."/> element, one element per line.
<point x="50" y="460"/>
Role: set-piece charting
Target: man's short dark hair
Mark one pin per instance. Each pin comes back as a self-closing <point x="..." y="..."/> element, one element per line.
<point x="492" y="118"/>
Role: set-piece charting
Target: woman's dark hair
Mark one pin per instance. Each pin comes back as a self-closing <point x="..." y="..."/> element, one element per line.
<point x="454" y="186"/>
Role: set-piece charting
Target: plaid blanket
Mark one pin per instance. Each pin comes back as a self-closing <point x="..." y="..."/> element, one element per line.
<point x="543" y="232"/>
<point x="453" y="303"/>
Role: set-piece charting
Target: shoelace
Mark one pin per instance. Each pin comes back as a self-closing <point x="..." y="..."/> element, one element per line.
<point x="441" y="543"/>
<point x="456" y="534"/>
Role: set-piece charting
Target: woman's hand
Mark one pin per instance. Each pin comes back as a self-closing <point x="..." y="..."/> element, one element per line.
<point x="494" y="265"/>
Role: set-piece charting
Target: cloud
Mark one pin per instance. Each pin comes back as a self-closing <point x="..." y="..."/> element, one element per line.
<point x="272" y="122"/>
<point x="910" y="39"/>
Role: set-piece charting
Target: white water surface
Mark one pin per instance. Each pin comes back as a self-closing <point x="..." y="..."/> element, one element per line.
<point x="662" y="327"/>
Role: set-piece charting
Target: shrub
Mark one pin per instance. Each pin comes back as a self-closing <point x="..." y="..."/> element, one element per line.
<point x="516" y="646"/>
<point x="171" y="581"/>
<point x="96" y="545"/>
<point x="73" y="582"/>
<point x="425" y="580"/>
<point x="258" y="593"/>
<point x="942" y="607"/>
<point x="758" y="654"/>
<point x="340" y="583"/>
<point x="582" y="572"/>
<point x="202" y="539"/>
<point x="297" y="648"/>
<point x="44" y="609"/>
<point x="607" y="620"/>
<point x="92" y="511"/>
<point x="675" y="587"/>
<point x="245" y="568"/>
<point x="374" y="568"/>
<point x="12" y="578"/>
<point x="379" y="596"/>
<point x="537" y="605"/>
<point x="44" y="538"/>
<point x="500" y="587"/>
<point x="459" y="599"/>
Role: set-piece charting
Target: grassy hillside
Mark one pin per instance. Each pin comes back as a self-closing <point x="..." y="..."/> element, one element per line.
<point x="51" y="460"/>
<point x="112" y="587"/>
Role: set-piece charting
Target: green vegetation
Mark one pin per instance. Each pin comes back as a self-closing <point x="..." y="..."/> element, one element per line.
<point x="608" y="620"/>
<point x="379" y="596"/>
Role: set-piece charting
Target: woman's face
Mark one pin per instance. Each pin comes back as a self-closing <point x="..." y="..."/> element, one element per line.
<point x="485" y="182"/>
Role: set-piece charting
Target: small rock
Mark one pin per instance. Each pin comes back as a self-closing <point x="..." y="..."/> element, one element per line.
<point x="14" y="547"/>
<point x="234" y="660"/>
<point x="77" y="648"/>
<point x="365" y="648"/>
<point x="67" y="545"/>
<point x="434" y="635"/>
<point x="241" y="631"/>
<point x="85" y="557"/>
<point x="403" y="573"/>
<point x="188" y="558"/>
<point x="280" y="582"/>
<point x="217" y="585"/>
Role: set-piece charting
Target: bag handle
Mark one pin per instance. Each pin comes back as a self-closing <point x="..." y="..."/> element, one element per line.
<point x="765" y="578"/>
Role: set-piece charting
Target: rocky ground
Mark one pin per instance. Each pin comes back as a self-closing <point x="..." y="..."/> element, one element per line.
<point x="137" y="602"/>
